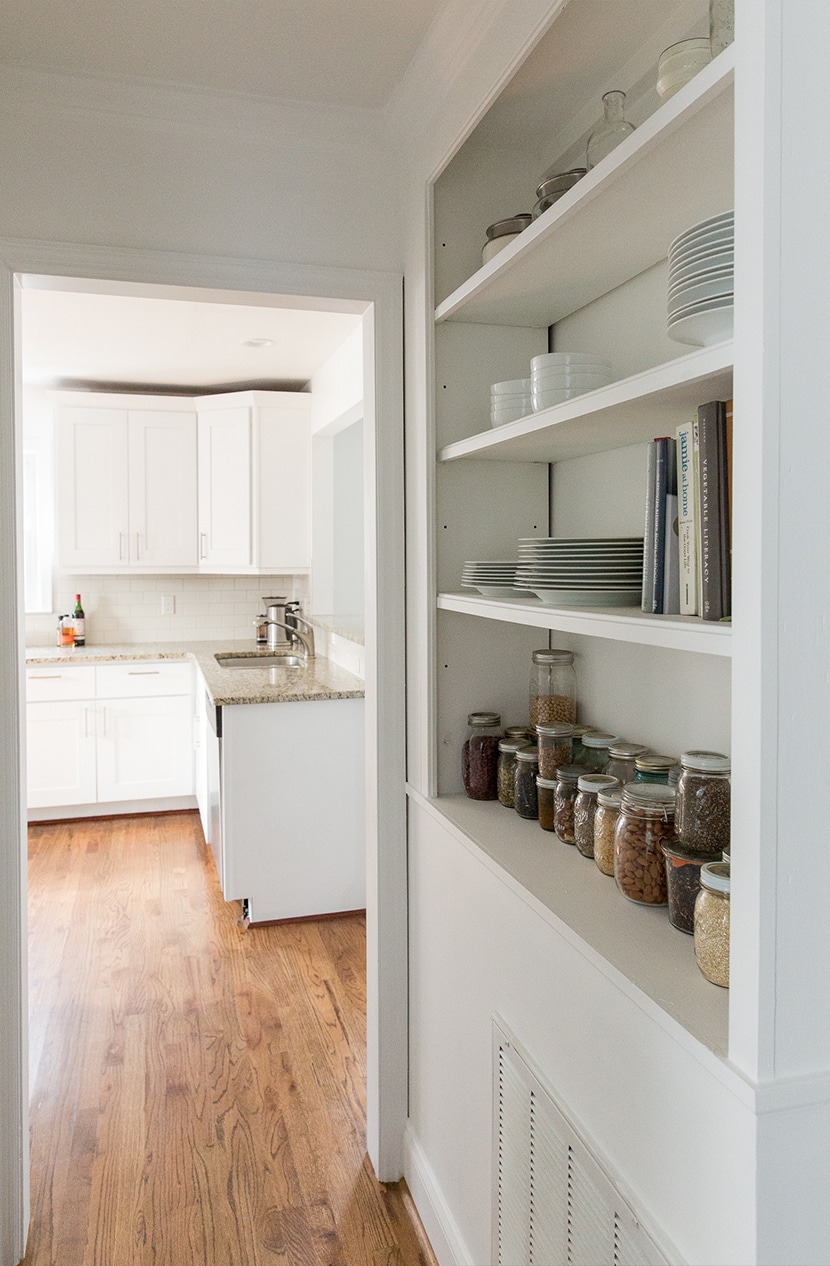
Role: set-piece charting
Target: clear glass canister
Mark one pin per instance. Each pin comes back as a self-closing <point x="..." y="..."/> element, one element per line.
<point x="552" y="688"/>
<point x="480" y="755"/>
<point x="525" y="800"/>
<point x="555" y="747"/>
<point x="683" y="882"/>
<point x="545" y="788"/>
<point x="597" y="745"/>
<point x="506" y="778"/>
<point x="653" y="768"/>
<point x="703" y="802"/>
<point x="646" y="821"/>
<point x="605" y="820"/>
<point x="621" y="757"/>
<point x="579" y="753"/>
<point x="712" y="923"/>
<point x="564" y="799"/>
<point x="585" y="805"/>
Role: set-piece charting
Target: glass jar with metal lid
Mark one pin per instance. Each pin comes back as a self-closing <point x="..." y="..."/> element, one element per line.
<point x="552" y="688"/>
<point x="555" y="747"/>
<point x="605" y="821"/>
<point x="564" y="799"/>
<point x="646" y="821"/>
<point x="480" y="755"/>
<point x="683" y="881"/>
<point x="525" y="800"/>
<point x="597" y="745"/>
<point x="588" y="787"/>
<point x="651" y="767"/>
<point x="621" y="757"/>
<point x="579" y="753"/>
<point x="545" y="788"/>
<point x="502" y="233"/>
<point x="554" y="186"/>
<point x="506" y="776"/>
<point x="703" y="802"/>
<point x="712" y="923"/>
<point x="518" y="732"/>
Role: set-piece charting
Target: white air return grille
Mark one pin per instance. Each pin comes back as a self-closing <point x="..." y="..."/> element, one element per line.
<point x="555" y="1204"/>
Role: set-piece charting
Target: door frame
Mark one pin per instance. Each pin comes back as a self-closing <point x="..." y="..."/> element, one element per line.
<point x="379" y="296"/>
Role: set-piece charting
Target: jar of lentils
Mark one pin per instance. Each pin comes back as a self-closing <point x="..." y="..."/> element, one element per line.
<point x="480" y="755"/>
<point x="579" y="753"/>
<point x="646" y="820"/>
<point x="525" y="800"/>
<point x="712" y="923"/>
<point x="545" y="788"/>
<point x="621" y="757"/>
<point x="597" y="745"/>
<point x="653" y="768"/>
<point x="552" y="688"/>
<point x="555" y="747"/>
<point x="703" y="796"/>
<point x="564" y="799"/>
<point x="588" y="786"/>
<point x="506" y="778"/>
<point x="605" y="820"/>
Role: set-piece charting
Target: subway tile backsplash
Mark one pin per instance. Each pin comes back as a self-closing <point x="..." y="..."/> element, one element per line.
<point x="128" y="608"/>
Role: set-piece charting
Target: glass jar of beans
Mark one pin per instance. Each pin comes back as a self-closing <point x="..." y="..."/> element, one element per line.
<point x="506" y="777"/>
<point x="525" y="800"/>
<point x="555" y="747"/>
<point x="480" y="755"/>
<point x="564" y="798"/>
<point x="712" y="923"/>
<point x="597" y="745"/>
<point x="646" y="820"/>
<point x="703" y="802"/>
<point x="588" y="787"/>
<point x="552" y="688"/>
<point x="605" y="820"/>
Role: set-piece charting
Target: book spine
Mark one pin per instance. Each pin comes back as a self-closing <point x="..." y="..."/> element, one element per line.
<point x="710" y="419"/>
<point x="671" y="559"/>
<point x="648" y="528"/>
<point x="686" y="533"/>
<point x="659" y="530"/>
<point x="724" y="498"/>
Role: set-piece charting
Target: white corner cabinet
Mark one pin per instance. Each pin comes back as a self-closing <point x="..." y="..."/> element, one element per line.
<point x="214" y="484"/>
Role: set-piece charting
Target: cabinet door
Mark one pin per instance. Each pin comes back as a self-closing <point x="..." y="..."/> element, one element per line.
<point x="60" y="753"/>
<point x="225" y="487"/>
<point x="145" y="748"/>
<point x="92" y="487"/>
<point x="283" y="444"/>
<point x="162" y="448"/>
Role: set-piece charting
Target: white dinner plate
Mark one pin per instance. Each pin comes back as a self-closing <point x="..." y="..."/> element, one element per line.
<point x="724" y="221"/>
<point x="700" y="267"/>
<point x="703" y="329"/>
<point x="588" y="598"/>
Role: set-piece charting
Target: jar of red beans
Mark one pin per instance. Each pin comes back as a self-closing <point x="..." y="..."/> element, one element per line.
<point x="480" y="755"/>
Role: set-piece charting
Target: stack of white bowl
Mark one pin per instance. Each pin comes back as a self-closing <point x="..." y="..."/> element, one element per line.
<point x="701" y="282"/>
<point x="559" y="376"/>
<point x="494" y="578"/>
<point x="680" y="63"/>
<point x="509" y="401"/>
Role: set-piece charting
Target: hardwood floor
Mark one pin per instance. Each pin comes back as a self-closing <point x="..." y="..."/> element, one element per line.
<point x="198" y="1091"/>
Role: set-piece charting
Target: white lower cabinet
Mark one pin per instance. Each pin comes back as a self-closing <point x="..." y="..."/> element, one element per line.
<point x="145" y="748"/>
<point x="60" y="753"/>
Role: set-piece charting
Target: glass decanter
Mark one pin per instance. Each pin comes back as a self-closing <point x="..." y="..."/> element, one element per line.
<point x="613" y="128"/>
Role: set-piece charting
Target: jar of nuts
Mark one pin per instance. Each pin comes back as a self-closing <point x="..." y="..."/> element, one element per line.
<point x="646" y="820"/>
<point x="703" y="796"/>
<point x="605" y="820"/>
<point x="544" y="793"/>
<point x="580" y="756"/>
<point x="552" y="688"/>
<point x="506" y="777"/>
<point x="555" y="747"/>
<point x="597" y="745"/>
<point x="564" y="798"/>
<point x="525" y="801"/>
<point x="712" y="923"/>
<point x="621" y="757"/>
<point x="480" y="755"/>
<point x="653" y="768"/>
<point x="585" y="807"/>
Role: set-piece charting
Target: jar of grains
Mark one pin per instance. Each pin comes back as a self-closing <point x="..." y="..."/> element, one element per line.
<point x="544" y="794"/>
<point x="585" y="807"/>
<point x="480" y="755"/>
<point x="555" y="747"/>
<point x="552" y="688"/>
<point x="621" y="757"/>
<point x="683" y="881"/>
<point x="653" y="768"/>
<point x="564" y="798"/>
<point x="605" y="820"/>
<point x="703" y="796"/>
<point x="646" y="820"/>
<point x="596" y="745"/>
<point x="579" y="753"/>
<point x="524" y="788"/>
<point x="712" y="923"/>
<point x="506" y="778"/>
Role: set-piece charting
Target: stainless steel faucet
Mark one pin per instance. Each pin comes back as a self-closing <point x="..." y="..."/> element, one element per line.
<point x="307" y="639"/>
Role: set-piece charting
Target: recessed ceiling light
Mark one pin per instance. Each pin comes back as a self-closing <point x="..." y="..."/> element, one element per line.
<point x="258" y="342"/>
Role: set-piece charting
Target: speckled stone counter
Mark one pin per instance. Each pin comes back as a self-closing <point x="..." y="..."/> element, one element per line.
<point x="348" y="626"/>
<point x="319" y="679"/>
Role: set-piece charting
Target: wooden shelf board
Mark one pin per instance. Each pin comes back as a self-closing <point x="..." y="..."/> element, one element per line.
<point x="637" y="943"/>
<point x="674" y="170"/>
<point x="619" y="624"/>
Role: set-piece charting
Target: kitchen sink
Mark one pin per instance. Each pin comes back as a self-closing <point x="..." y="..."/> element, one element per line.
<point x="259" y="661"/>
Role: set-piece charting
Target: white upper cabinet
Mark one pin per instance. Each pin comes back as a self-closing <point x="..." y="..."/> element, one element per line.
<point x="162" y="465"/>
<point x="225" y="486"/>
<point x="282" y="451"/>
<point x="92" y="486"/>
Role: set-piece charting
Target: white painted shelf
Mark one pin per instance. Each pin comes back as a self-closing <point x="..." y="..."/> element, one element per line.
<point x="674" y="170"/>
<point x="635" y="945"/>
<point x="619" y="624"/>
<point x="630" y="411"/>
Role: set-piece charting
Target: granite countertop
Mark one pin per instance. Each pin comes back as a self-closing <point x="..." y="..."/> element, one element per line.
<point x="320" y="679"/>
<point x="348" y="626"/>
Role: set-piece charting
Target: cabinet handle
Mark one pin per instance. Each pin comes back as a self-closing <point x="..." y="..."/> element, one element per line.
<point x="202" y="545"/>
<point x="143" y="672"/>
<point x="104" y="732"/>
<point x="46" y="677"/>
<point x="138" y="545"/>
<point x="86" y="723"/>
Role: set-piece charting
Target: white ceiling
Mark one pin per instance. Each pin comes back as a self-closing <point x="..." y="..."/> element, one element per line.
<point x="342" y="52"/>
<point x="77" y="338"/>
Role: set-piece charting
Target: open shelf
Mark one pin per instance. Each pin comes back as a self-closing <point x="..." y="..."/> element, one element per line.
<point x="635" y="945"/>
<point x="619" y="624"/>
<point x="630" y="411"/>
<point x="674" y="170"/>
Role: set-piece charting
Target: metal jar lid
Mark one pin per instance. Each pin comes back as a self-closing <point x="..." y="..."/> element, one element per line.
<point x="597" y="782"/>
<point x="552" y="657"/>
<point x="484" y="718"/>
<point x="654" y="764"/>
<point x="653" y="799"/>
<point x="512" y="744"/>
<point x="610" y="797"/>
<point x="560" y="183"/>
<point x="515" y="224"/>
<point x="530" y="752"/>
<point x="626" y="751"/>
<point x="569" y="773"/>
<point x="555" y="729"/>
<point x="517" y="731"/>
<point x="706" y="762"/>
<point x="596" y="739"/>
<point x="716" y="876"/>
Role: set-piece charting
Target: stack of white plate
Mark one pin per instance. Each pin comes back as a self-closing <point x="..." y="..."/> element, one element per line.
<point x="701" y="283"/>
<point x="494" y="579"/>
<point x="509" y="401"/>
<point x="566" y="571"/>
<point x="559" y="376"/>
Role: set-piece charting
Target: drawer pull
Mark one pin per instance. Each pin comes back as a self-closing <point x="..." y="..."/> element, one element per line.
<point x="142" y="672"/>
<point x="46" y="677"/>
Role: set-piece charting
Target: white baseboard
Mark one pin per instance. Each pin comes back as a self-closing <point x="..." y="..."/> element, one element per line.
<point x="117" y="808"/>
<point x="444" y="1236"/>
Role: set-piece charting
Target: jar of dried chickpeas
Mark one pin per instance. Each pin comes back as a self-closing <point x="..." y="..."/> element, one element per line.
<point x="552" y="687"/>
